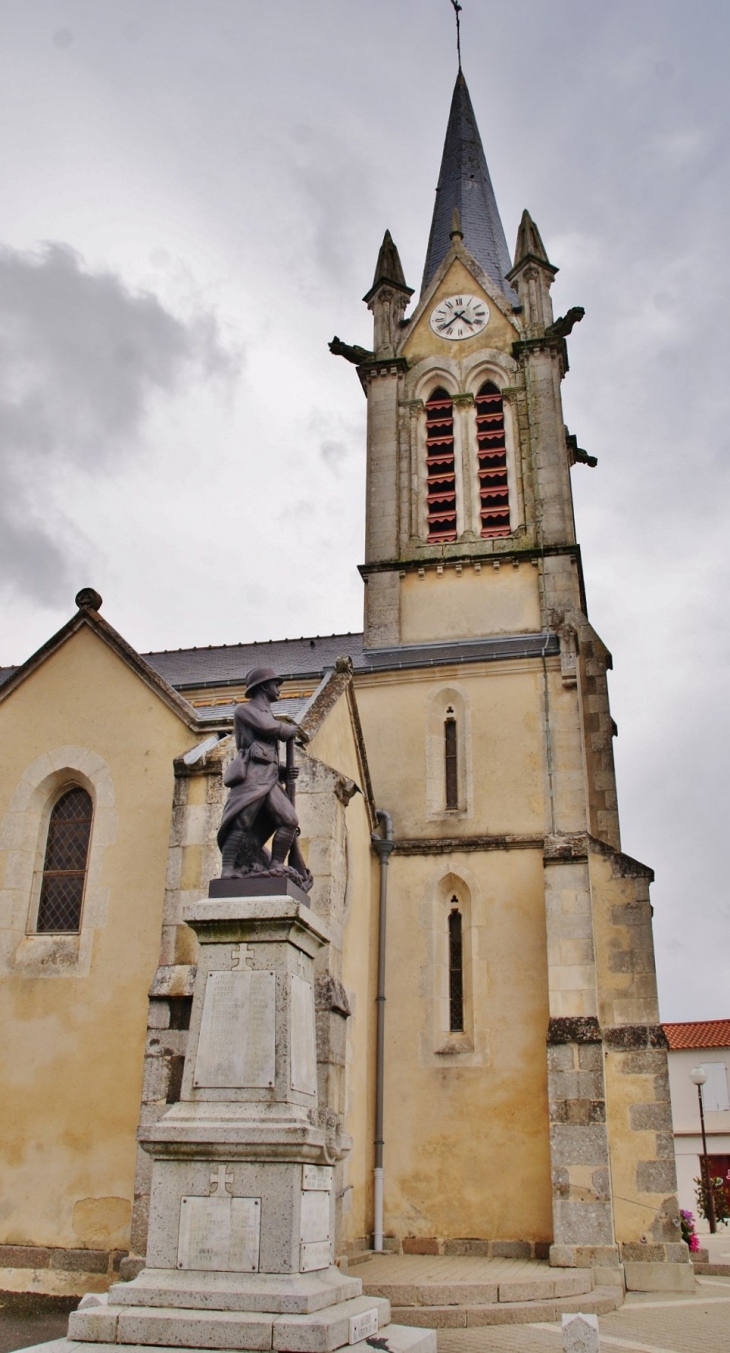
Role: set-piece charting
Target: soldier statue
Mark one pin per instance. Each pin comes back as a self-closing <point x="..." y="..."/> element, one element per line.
<point x="261" y="798"/>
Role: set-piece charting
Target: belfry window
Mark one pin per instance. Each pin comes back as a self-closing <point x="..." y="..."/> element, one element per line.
<point x="456" y="969"/>
<point x="440" y="465"/>
<point x="64" y="866"/>
<point x="451" y="764"/>
<point x="492" y="458"/>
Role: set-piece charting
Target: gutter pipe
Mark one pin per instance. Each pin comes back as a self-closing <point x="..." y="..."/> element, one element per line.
<point x="383" y="845"/>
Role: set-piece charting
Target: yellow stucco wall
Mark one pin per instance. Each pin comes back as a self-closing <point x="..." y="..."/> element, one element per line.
<point x="466" y="1118"/>
<point x="466" y="1130"/>
<point x="499" y="706"/>
<point x="493" y="601"/>
<point x="423" y="342"/>
<point x="72" y="1069"/>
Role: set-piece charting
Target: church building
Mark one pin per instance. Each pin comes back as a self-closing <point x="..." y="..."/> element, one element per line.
<point x="488" y="1030"/>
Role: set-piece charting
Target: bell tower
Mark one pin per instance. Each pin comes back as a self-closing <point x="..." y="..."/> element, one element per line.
<point x="469" y="522"/>
<point x="484" y="702"/>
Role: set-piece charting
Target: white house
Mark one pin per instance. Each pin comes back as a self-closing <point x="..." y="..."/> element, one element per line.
<point x="704" y="1043"/>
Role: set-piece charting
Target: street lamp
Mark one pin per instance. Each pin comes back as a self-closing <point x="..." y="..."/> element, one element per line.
<point x="698" y="1076"/>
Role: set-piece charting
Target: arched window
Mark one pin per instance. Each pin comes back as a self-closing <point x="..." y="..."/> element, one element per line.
<point x="440" y="466"/>
<point x="64" y="866"/>
<point x="456" y="970"/>
<point x="451" y="764"/>
<point x="492" y="456"/>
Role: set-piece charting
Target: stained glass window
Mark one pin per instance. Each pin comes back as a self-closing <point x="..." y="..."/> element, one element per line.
<point x="64" y="867"/>
<point x="456" y="971"/>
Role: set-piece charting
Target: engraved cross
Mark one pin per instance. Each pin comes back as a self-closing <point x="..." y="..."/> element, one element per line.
<point x="301" y="966"/>
<point x="221" y="1180"/>
<point x="241" y="952"/>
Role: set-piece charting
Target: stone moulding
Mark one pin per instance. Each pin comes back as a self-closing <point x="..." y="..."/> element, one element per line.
<point x="617" y="1038"/>
<point x="576" y="1029"/>
<point x="627" y="1037"/>
<point x="446" y="845"/>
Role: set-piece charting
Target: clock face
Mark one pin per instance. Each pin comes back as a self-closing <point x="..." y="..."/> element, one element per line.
<point x="459" y="317"/>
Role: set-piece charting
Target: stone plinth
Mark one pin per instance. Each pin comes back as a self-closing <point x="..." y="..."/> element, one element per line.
<point x="241" y="1233"/>
<point x="580" y="1334"/>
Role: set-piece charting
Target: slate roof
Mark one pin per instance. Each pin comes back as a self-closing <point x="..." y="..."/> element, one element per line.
<point x="307" y="658"/>
<point x="707" y="1033"/>
<point x="464" y="182"/>
<point x="214" y="666"/>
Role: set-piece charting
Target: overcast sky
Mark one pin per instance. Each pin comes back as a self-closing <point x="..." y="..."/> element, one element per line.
<point x="194" y="192"/>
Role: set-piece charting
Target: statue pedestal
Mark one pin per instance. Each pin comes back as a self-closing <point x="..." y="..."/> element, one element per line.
<point x="241" y="1233"/>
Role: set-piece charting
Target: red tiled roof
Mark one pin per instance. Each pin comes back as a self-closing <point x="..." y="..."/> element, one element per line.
<point x="702" y="1033"/>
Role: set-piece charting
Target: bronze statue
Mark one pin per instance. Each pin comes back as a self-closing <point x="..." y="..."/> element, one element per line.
<point x="261" y="798"/>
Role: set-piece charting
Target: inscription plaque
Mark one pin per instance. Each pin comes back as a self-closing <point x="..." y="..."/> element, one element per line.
<point x="303" y="1045"/>
<point x="363" y="1326"/>
<point x="315" y="1217"/>
<point x="316" y="1176"/>
<point x="237" y="1047"/>
<point x="313" y="1256"/>
<point x="219" y="1233"/>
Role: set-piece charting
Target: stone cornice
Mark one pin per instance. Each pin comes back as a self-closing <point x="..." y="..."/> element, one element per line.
<point x="446" y="845"/>
<point x="385" y="366"/>
<point x="573" y="1029"/>
<point x="468" y="552"/>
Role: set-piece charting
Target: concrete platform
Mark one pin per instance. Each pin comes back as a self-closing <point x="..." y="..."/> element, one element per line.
<point x="449" y="1292"/>
<point x="285" y="1293"/>
<point x="713" y="1258"/>
<point x="399" y="1338"/>
<point x="322" y="1331"/>
<point x="598" y="1302"/>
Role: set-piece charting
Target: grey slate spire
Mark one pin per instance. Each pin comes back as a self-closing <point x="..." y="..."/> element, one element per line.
<point x="388" y="269"/>
<point x="529" y="242"/>
<point x="464" y="183"/>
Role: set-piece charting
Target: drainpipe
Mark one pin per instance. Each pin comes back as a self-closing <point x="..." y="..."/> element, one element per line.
<point x="383" y="845"/>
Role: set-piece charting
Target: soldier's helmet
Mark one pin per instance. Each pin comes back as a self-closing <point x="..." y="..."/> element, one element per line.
<point x="257" y="676"/>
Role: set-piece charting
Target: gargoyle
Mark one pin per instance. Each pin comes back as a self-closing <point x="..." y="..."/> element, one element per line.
<point x="564" y="324"/>
<point x="350" y="352"/>
<point x="576" y="452"/>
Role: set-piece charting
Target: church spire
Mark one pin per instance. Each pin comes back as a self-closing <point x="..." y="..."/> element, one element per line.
<point x="464" y="184"/>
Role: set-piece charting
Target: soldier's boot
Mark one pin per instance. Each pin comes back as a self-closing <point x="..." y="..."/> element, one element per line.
<point x="282" y="844"/>
<point x="230" y="851"/>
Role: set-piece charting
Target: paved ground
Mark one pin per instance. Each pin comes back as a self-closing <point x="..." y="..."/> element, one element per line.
<point x="718" y="1246"/>
<point x="26" y="1320"/>
<point x="645" y="1324"/>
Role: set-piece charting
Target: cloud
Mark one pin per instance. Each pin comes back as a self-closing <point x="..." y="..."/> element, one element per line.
<point x="82" y="361"/>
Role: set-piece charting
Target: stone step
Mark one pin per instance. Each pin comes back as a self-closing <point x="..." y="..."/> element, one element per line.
<point x="543" y="1284"/>
<point x="596" y="1302"/>
<point x="710" y="1270"/>
<point x="290" y="1293"/>
<point x="322" y="1331"/>
<point x="399" y="1339"/>
<point x="333" y="1327"/>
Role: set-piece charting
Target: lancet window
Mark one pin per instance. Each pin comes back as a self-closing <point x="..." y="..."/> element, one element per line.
<point x="492" y="458"/>
<point x="441" y="469"/>
<point x="451" y="763"/>
<point x="456" y="969"/>
<point x="64" y="865"/>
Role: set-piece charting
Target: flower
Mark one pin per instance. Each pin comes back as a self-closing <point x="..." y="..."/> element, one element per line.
<point x="689" y="1235"/>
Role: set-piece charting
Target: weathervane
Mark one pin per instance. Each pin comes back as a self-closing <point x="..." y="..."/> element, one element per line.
<point x="457" y="12"/>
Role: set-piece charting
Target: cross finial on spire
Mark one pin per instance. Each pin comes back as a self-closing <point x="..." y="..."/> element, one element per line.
<point x="457" y="12"/>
